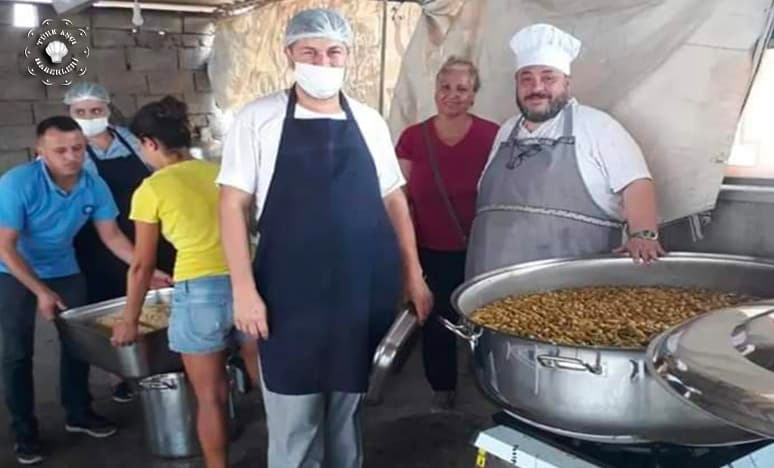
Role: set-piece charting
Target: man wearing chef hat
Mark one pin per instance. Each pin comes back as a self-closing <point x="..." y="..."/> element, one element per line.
<point x="563" y="179"/>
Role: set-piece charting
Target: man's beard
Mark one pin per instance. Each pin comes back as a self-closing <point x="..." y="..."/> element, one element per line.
<point x="555" y="106"/>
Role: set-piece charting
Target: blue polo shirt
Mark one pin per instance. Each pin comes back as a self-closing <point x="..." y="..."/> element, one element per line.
<point x="48" y="218"/>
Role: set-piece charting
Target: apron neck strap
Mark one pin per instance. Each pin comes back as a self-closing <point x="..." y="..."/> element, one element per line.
<point x="114" y="134"/>
<point x="293" y="100"/>
<point x="568" y="120"/>
<point x="517" y="128"/>
<point x="92" y="155"/>
<point x="566" y="130"/>
<point x="122" y="140"/>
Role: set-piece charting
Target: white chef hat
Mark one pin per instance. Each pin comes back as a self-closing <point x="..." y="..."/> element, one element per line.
<point x="543" y="44"/>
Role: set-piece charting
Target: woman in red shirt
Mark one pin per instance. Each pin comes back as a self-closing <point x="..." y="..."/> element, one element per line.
<point x="442" y="158"/>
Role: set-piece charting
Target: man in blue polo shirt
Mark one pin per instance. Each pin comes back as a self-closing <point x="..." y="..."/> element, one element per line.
<point x="43" y="204"/>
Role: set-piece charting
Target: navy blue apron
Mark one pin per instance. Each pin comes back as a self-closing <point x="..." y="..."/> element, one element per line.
<point x="327" y="264"/>
<point x="105" y="273"/>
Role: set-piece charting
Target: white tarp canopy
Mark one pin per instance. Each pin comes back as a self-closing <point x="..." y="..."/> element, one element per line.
<point x="675" y="73"/>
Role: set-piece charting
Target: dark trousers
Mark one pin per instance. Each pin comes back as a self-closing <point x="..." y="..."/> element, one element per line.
<point x="445" y="271"/>
<point x="17" y="323"/>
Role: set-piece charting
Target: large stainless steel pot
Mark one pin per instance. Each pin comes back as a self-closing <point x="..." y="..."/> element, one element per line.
<point x="148" y="356"/>
<point x="596" y="393"/>
<point x="169" y="404"/>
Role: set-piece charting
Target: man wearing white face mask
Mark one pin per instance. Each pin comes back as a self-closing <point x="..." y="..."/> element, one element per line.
<point x="336" y="246"/>
<point x="88" y="103"/>
<point x="114" y="154"/>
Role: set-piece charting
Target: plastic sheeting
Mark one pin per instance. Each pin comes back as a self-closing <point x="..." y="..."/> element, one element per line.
<point x="675" y="73"/>
<point x="248" y="58"/>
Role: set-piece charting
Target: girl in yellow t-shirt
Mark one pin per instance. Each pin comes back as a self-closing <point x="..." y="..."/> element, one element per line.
<point x="180" y="202"/>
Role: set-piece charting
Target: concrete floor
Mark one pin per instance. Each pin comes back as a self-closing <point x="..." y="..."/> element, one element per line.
<point x="401" y="432"/>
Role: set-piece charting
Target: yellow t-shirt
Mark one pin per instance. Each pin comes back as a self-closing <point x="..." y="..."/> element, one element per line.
<point x="183" y="198"/>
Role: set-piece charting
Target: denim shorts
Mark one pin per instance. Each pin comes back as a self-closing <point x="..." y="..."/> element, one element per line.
<point x="202" y="319"/>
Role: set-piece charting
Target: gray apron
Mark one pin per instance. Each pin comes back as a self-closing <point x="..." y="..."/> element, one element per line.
<point x="533" y="204"/>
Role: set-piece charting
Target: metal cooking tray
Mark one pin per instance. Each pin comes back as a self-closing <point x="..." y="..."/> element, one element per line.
<point x="150" y="355"/>
<point x="391" y="352"/>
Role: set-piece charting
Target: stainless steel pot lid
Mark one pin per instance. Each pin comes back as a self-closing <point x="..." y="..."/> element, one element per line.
<point x="723" y="363"/>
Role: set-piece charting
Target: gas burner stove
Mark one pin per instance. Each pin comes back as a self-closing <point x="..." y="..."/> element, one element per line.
<point x="512" y="443"/>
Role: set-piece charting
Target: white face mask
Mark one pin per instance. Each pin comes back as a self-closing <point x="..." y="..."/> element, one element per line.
<point x="93" y="127"/>
<point x="319" y="82"/>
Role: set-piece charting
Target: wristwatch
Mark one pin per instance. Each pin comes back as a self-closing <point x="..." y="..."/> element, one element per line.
<point x="644" y="234"/>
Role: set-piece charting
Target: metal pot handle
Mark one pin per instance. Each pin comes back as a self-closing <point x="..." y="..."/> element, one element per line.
<point x="158" y="385"/>
<point x="561" y="362"/>
<point x="461" y="331"/>
<point x="765" y="309"/>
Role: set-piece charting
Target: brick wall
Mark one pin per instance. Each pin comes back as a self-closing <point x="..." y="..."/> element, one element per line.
<point x="135" y="68"/>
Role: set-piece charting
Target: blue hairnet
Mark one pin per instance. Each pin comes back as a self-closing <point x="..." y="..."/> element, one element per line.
<point x="318" y="23"/>
<point x="84" y="91"/>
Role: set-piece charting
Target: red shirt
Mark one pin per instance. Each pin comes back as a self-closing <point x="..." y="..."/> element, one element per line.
<point x="460" y="167"/>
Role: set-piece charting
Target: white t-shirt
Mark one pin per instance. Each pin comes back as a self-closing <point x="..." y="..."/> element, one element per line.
<point x="251" y="145"/>
<point x="608" y="157"/>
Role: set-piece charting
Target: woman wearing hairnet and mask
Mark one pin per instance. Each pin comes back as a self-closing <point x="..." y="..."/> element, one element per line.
<point x="113" y="153"/>
<point x="336" y="246"/>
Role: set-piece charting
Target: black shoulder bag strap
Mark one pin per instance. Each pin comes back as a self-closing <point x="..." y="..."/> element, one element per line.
<point x="439" y="184"/>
